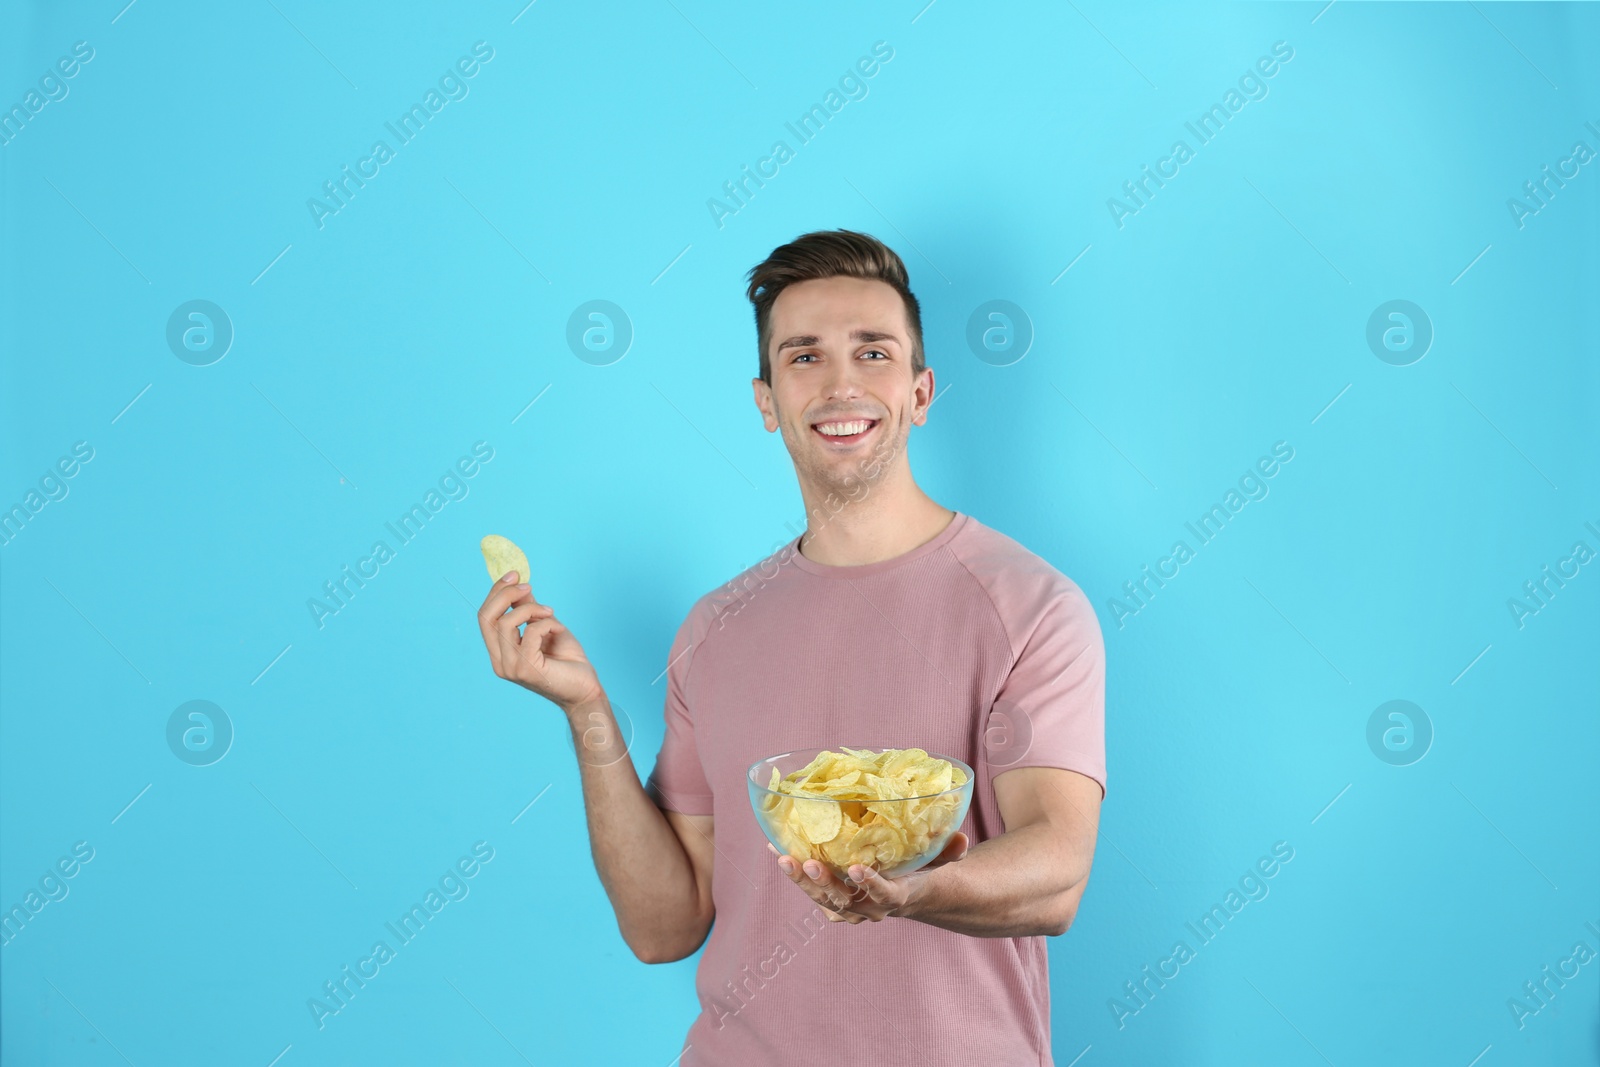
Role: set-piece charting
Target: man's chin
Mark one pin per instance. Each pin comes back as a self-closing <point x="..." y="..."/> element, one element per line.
<point x="846" y="476"/>
<point x="843" y="470"/>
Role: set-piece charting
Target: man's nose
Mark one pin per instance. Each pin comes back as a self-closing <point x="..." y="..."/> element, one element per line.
<point x="842" y="383"/>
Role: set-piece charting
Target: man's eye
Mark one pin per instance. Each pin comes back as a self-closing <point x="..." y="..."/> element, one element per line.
<point x="813" y="355"/>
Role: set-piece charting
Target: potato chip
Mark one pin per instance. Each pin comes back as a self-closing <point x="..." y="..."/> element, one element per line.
<point x="838" y="787"/>
<point x="500" y="554"/>
<point x="935" y="782"/>
<point x="889" y="811"/>
<point x="878" y="809"/>
<point x="770" y="802"/>
<point x="819" y="820"/>
<point x="887" y="788"/>
<point x="903" y="760"/>
<point x="837" y="851"/>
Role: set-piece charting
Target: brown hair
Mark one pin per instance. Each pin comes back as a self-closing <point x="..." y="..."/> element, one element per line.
<point x="830" y="254"/>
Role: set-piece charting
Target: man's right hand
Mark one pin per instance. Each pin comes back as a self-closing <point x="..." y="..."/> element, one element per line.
<point x="545" y="657"/>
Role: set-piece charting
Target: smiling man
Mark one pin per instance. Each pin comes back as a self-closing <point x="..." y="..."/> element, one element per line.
<point x="893" y="621"/>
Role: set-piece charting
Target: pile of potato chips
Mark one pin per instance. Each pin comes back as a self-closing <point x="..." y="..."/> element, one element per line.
<point x="872" y="808"/>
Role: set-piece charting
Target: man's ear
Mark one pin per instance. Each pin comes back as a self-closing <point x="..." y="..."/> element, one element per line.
<point x="922" y="394"/>
<point x="763" y="398"/>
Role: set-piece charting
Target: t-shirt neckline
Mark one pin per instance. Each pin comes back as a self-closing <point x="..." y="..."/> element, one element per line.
<point x="862" y="570"/>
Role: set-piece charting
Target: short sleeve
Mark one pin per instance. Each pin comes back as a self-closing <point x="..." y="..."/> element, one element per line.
<point x="1050" y="710"/>
<point x="678" y="782"/>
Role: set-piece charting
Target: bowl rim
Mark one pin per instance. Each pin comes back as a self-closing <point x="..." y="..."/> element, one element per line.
<point x="753" y="783"/>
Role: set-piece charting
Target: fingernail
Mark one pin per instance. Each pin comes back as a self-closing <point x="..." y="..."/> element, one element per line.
<point x="507" y="578"/>
<point x="524" y="587"/>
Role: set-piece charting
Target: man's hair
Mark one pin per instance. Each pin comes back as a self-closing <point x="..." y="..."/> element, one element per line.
<point x="830" y="254"/>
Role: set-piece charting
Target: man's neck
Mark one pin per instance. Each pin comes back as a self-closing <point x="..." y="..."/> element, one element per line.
<point x="871" y="530"/>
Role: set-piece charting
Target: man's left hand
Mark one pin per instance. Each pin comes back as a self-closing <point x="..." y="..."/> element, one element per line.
<point x="868" y="896"/>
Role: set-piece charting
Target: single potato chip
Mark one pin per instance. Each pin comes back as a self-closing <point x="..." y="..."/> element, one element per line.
<point x="771" y="802"/>
<point x="935" y="782"/>
<point x="501" y="554"/>
<point x="905" y="759"/>
<point x="820" y="820"/>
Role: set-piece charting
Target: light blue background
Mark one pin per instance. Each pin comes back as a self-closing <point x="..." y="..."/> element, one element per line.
<point x="1225" y="316"/>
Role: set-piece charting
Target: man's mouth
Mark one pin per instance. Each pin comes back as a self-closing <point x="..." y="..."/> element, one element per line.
<point x="844" y="432"/>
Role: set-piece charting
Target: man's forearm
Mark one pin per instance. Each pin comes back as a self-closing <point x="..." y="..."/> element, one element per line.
<point x="1020" y="884"/>
<point x="639" y="859"/>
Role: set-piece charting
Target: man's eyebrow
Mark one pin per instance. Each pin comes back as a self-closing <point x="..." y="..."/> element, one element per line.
<point x="865" y="336"/>
<point x="873" y="335"/>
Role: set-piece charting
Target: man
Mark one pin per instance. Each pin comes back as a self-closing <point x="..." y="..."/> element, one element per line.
<point x="892" y="622"/>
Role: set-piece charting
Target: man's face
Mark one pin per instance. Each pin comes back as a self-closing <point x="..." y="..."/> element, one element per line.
<point x="840" y="352"/>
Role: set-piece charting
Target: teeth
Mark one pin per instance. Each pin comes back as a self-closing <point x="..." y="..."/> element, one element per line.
<point x="843" y="429"/>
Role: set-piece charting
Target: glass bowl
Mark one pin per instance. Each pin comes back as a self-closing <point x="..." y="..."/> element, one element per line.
<point x="892" y="836"/>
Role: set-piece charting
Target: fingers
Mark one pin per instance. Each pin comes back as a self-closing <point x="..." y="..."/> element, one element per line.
<point x="831" y="888"/>
<point x="507" y="624"/>
<point x="878" y="889"/>
<point x="826" y="889"/>
<point x="514" y="648"/>
<point x="520" y="613"/>
<point x="953" y="850"/>
<point x="791" y="868"/>
<point x="499" y="626"/>
<point x="823" y="887"/>
<point x="518" y="654"/>
<point x="826" y="894"/>
<point x="500" y="597"/>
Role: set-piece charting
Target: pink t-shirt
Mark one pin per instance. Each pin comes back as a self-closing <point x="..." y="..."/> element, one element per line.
<point x="968" y="645"/>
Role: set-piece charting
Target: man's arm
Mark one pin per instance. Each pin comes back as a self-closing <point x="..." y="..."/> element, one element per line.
<point x="655" y="865"/>
<point x="1029" y="880"/>
<point x="1026" y="882"/>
